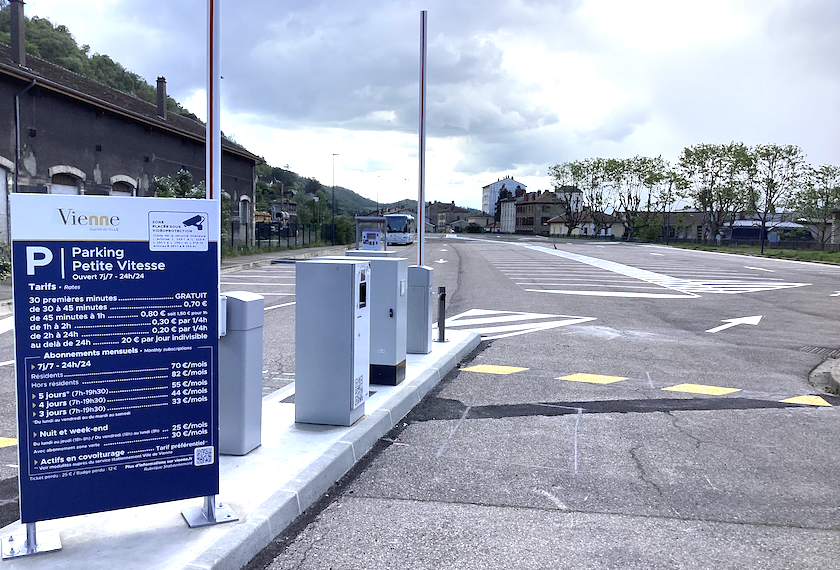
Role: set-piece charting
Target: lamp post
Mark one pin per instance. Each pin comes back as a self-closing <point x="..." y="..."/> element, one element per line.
<point x="335" y="154"/>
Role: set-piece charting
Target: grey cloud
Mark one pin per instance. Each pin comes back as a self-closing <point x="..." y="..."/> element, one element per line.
<point x="619" y="125"/>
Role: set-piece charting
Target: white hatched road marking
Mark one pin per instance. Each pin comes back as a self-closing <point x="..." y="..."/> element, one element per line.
<point x="689" y="288"/>
<point x="475" y="320"/>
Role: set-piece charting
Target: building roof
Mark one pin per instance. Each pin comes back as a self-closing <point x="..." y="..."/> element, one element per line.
<point x="519" y="184"/>
<point x="73" y="85"/>
<point x="585" y="218"/>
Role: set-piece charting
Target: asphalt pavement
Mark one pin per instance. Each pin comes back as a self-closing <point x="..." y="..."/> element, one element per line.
<point x="449" y="492"/>
<point x="266" y="489"/>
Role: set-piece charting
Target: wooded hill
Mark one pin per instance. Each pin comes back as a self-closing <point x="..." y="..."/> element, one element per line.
<point x="55" y="44"/>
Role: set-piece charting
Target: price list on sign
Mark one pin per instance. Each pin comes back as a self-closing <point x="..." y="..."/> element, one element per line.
<point x="116" y="325"/>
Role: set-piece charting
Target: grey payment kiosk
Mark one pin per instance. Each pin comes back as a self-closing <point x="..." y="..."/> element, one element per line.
<point x="388" y="314"/>
<point x="332" y="340"/>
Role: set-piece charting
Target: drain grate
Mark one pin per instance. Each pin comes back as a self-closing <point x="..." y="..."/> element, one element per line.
<point x="822" y="351"/>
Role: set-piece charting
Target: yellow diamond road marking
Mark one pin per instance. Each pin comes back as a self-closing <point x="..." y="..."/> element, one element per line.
<point x="807" y="401"/>
<point x="492" y="369"/>
<point x="7" y="441"/>
<point x="593" y="378"/>
<point x="702" y="389"/>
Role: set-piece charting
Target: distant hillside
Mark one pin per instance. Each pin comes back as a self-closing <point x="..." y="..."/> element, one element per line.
<point x="268" y="189"/>
<point x="55" y="44"/>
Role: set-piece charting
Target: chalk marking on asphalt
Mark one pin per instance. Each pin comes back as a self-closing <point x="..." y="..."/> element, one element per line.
<point x="710" y="483"/>
<point x="650" y="381"/>
<point x="452" y="433"/>
<point x="279" y="306"/>
<point x="557" y="502"/>
<point x="577" y="423"/>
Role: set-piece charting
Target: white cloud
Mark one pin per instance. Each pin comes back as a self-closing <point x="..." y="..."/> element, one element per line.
<point x="514" y="86"/>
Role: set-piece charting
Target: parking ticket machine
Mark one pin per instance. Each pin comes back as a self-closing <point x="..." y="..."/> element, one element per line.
<point x="332" y="340"/>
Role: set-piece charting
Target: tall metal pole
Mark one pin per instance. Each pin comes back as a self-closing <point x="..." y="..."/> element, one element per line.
<point x="213" y="177"/>
<point x="335" y="154"/>
<point x="421" y="198"/>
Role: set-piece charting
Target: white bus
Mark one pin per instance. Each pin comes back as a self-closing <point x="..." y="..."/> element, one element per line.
<point x="401" y="229"/>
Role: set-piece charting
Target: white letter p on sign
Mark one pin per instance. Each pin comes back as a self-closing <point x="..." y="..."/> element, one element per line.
<point x="33" y="260"/>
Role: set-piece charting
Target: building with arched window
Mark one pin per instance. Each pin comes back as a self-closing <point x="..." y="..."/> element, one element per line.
<point x="71" y="135"/>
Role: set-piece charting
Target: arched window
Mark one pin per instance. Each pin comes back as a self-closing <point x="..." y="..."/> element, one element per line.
<point x="122" y="189"/>
<point x="66" y="180"/>
<point x="244" y="211"/>
<point x="65" y="184"/>
<point x="122" y="185"/>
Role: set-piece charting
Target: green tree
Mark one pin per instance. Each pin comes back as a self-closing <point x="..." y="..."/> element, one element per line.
<point x="567" y="180"/>
<point x="345" y="229"/>
<point x="504" y="193"/>
<point x="776" y="175"/>
<point x="179" y="187"/>
<point x="817" y="201"/>
<point x="182" y="186"/>
<point x="717" y="181"/>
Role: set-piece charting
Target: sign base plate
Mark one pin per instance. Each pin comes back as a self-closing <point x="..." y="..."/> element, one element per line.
<point x="15" y="546"/>
<point x="198" y="516"/>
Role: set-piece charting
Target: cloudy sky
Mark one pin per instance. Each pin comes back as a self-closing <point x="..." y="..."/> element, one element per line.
<point x="514" y="86"/>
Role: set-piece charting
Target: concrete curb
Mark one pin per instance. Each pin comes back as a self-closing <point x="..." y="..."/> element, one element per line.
<point x="271" y="517"/>
<point x="268" y="488"/>
<point x="826" y="376"/>
<point x="834" y="377"/>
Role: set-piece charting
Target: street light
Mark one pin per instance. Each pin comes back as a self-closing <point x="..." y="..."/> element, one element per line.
<point x="335" y="154"/>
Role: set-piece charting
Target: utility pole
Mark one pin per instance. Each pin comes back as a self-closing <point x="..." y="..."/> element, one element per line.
<point x="335" y="154"/>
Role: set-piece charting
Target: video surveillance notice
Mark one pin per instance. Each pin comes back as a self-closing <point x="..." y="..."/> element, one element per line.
<point x="116" y="344"/>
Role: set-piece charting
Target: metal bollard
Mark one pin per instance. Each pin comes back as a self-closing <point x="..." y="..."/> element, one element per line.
<point x="441" y="314"/>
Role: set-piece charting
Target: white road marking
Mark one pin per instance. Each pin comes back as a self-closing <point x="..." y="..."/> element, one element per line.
<point x="480" y="317"/>
<point x="7" y="324"/>
<point x="733" y="322"/>
<point x="760" y="269"/>
<point x="278" y="306"/>
<point x="440" y="261"/>
<point x="835" y="294"/>
<point x="689" y="287"/>
<point x="628" y="294"/>
<point x="659" y="254"/>
<point x="7" y="363"/>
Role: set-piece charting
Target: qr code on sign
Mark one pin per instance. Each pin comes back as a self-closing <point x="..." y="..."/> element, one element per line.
<point x="203" y="456"/>
<point x="359" y="391"/>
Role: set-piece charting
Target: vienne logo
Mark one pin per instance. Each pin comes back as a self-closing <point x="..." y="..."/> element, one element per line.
<point x="96" y="222"/>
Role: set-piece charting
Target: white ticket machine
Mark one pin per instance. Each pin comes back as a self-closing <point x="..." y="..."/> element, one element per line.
<point x="332" y="340"/>
<point x="388" y="317"/>
<point x="419" y="326"/>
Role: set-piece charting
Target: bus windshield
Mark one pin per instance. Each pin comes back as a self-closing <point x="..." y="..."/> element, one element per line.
<point x="397" y="224"/>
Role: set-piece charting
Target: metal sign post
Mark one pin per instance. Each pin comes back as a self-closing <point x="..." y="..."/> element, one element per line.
<point x="211" y="512"/>
<point x="421" y="198"/>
